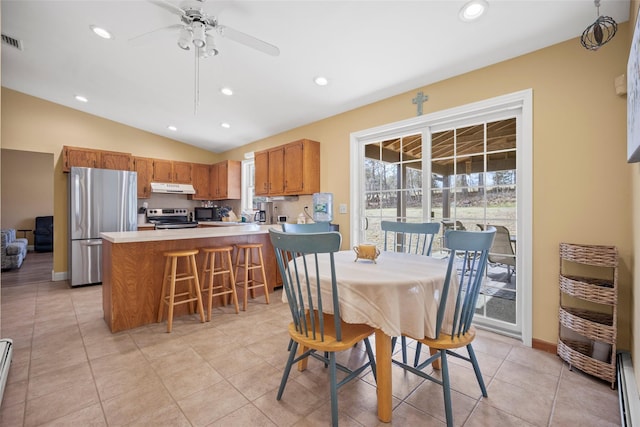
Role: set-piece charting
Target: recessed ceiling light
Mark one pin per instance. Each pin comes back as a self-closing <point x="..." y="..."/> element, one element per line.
<point x="473" y="10"/>
<point x="172" y="128"/>
<point x="321" y="81"/>
<point x="226" y="91"/>
<point x="81" y="98"/>
<point x="101" y="32"/>
<point x="225" y="125"/>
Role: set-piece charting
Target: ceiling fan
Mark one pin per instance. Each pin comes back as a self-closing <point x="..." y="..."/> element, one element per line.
<point x="196" y="32"/>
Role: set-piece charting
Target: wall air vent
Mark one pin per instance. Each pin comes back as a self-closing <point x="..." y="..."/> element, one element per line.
<point x="11" y="41"/>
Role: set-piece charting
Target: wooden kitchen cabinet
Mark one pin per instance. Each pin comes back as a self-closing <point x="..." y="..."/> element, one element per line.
<point x="302" y="167"/>
<point x="201" y="175"/>
<point x="162" y="171"/>
<point x="181" y="172"/>
<point x="144" y="167"/>
<point x="90" y="158"/>
<point x="80" y="157"/>
<point x="225" y="180"/>
<point x="261" y="175"/>
<point x="171" y="171"/>
<point x="115" y="160"/>
<point x="290" y="169"/>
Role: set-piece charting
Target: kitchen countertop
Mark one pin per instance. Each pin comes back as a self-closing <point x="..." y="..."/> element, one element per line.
<point x="185" y="233"/>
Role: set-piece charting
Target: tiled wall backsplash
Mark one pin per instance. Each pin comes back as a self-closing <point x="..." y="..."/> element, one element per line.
<point x="290" y="208"/>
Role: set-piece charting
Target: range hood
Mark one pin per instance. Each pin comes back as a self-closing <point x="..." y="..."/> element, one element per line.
<point x="170" y="187"/>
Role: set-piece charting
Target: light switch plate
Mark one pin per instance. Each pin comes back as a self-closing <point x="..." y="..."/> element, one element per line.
<point x="343" y="208"/>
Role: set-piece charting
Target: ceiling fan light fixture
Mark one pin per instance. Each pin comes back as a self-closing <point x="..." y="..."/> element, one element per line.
<point x="184" y="41"/>
<point x="473" y="10"/>
<point x="199" y="38"/>
<point x="210" y="47"/>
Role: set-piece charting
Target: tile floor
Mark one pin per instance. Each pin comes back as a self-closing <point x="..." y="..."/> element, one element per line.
<point x="68" y="369"/>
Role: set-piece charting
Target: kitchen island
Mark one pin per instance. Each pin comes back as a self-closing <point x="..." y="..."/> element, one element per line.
<point x="133" y="267"/>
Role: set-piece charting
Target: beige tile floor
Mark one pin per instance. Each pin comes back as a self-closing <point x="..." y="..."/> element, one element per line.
<point x="69" y="370"/>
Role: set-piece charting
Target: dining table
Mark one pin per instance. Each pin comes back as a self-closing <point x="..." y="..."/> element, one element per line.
<point x="397" y="294"/>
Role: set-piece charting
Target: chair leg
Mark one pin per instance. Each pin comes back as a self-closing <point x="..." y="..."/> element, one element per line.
<point x="334" y="389"/>
<point x="403" y="340"/>
<point x="285" y="375"/>
<point x="416" y="360"/>
<point x="446" y="388"/>
<point x="476" y="368"/>
<point x="372" y="358"/>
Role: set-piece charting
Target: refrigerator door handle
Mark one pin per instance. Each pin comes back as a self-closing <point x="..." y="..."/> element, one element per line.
<point x="91" y="243"/>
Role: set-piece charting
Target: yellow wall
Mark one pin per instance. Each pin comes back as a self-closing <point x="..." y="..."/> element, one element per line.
<point x="32" y="124"/>
<point x="581" y="179"/>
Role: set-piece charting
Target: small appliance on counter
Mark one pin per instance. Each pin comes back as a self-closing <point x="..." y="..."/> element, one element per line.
<point x="211" y="213"/>
<point x="170" y="218"/>
<point x="265" y="213"/>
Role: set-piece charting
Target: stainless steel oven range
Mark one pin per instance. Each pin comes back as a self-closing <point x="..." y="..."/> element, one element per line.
<point x="168" y="218"/>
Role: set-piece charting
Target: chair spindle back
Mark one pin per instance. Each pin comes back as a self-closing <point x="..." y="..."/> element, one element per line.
<point x="410" y="237"/>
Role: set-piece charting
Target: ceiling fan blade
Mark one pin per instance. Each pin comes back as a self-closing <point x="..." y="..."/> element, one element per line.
<point x="248" y="40"/>
<point x="144" y="35"/>
<point x="168" y="6"/>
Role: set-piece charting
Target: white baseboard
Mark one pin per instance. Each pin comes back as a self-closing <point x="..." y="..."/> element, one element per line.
<point x="59" y="276"/>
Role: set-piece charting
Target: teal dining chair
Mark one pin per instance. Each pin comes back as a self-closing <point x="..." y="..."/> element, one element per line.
<point x="469" y="251"/>
<point x="297" y="255"/>
<point x="315" y="227"/>
<point x="409" y="237"/>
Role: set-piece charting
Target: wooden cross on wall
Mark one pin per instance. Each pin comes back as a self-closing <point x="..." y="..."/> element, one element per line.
<point x="420" y="99"/>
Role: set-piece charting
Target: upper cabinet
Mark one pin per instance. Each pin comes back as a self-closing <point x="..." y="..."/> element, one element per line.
<point x="290" y="169"/>
<point x="90" y="158"/>
<point x="182" y="172"/>
<point x="225" y="180"/>
<point x="201" y="181"/>
<point x="114" y="160"/>
<point x="144" y="167"/>
<point x="171" y="171"/>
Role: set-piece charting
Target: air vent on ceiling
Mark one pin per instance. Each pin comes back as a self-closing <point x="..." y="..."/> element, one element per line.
<point x="13" y="42"/>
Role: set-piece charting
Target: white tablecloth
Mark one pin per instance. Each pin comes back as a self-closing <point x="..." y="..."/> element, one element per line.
<point x="398" y="294"/>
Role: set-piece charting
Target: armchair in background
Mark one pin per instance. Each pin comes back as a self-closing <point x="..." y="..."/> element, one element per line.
<point x="43" y="234"/>
<point x="14" y="250"/>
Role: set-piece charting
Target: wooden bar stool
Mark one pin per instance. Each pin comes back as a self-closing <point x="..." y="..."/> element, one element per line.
<point x="223" y="266"/>
<point x="249" y="264"/>
<point x="171" y="276"/>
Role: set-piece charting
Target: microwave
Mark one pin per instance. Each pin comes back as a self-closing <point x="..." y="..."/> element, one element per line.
<point x="207" y="214"/>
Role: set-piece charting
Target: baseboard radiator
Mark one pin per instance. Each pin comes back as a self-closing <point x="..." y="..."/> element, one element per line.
<point x="627" y="391"/>
<point x="6" y="353"/>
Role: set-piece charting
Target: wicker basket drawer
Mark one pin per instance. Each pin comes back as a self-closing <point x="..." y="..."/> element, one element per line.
<point x="593" y="325"/>
<point x="572" y="353"/>
<point x="603" y="256"/>
<point x="598" y="291"/>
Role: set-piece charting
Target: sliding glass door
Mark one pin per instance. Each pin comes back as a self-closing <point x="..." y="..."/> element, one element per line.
<point x="463" y="173"/>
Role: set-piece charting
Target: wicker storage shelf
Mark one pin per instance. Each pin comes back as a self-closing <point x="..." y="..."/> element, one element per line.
<point x="598" y="328"/>
<point x="595" y="290"/>
<point x="575" y="353"/>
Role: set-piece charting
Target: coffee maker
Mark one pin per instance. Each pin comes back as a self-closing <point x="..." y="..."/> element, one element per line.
<point x="265" y="213"/>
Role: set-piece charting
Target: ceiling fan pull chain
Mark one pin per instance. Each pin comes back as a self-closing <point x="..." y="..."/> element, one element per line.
<point x="196" y="83"/>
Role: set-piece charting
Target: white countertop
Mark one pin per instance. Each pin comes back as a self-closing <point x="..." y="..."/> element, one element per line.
<point x="186" y="233"/>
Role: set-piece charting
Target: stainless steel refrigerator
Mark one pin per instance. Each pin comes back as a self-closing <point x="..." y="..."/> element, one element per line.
<point x="100" y="200"/>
